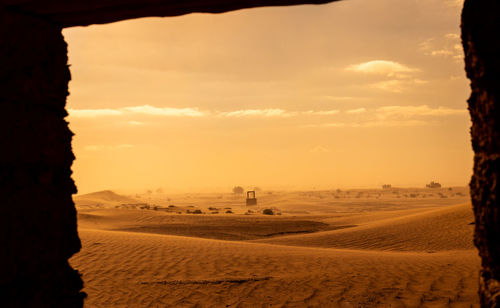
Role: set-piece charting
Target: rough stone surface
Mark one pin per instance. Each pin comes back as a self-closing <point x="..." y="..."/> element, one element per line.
<point x="38" y="219"/>
<point x="481" y="41"/>
<point x="86" y="12"/>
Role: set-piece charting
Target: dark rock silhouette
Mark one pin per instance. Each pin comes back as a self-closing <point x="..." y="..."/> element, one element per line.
<point x="38" y="220"/>
<point x="481" y="42"/>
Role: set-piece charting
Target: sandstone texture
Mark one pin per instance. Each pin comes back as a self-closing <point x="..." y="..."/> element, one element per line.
<point x="481" y="42"/>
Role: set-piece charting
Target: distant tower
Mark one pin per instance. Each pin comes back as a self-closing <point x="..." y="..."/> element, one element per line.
<point x="251" y="200"/>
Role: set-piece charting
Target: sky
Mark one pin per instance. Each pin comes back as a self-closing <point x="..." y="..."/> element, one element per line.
<point x="352" y="94"/>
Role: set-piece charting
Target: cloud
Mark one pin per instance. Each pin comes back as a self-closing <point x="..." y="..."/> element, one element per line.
<point x="393" y="116"/>
<point x="391" y="112"/>
<point x="93" y="113"/>
<point x="165" y="111"/>
<point x="447" y="46"/>
<point x="382" y="67"/>
<point x="144" y="109"/>
<point x="396" y="85"/>
<point x="321" y="112"/>
<point x="333" y="124"/>
<point x="398" y="77"/>
<point x="267" y="113"/>
<point x="135" y="123"/>
<point x="319" y="149"/>
<point x="370" y="124"/>
<point x="355" y="111"/>
<point x="338" y="98"/>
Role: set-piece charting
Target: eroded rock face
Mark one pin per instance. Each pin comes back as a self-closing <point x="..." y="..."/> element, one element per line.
<point x="86" y="12"/>
<point x="481" y="41"/>
<point x="38" y="218"/>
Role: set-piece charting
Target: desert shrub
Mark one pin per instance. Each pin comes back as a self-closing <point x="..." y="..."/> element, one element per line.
<point x="212" y="209"/>
<point x="238" y="190"/>
<point x="197" y="212"/>
<point x="155" y="208"/>
<point x="215" y="212"/>
<point x="171" y="205"/>
<point x="229" y="212"/>
<point x="268" y="212"/>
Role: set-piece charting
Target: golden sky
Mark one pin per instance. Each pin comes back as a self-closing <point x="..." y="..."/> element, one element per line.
<point x="349" y="94"/>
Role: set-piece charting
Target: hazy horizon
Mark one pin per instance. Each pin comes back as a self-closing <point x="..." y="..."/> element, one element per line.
<point x="345" y="95"/>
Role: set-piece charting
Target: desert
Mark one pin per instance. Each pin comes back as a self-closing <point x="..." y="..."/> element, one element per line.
<point x="397" y="247"/>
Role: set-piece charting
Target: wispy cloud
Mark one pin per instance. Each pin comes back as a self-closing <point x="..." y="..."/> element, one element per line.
<point x="397" y="85"/>
<point x="382" y="67"/>
<point x="135" y="123"/>
<point x="165" y="111"/>
<point x="392" y="112"/>
<point x="338" y="98"/>
<point x="447" y="46"/>
<point x="319" y="149"/>
<point x="398" y="77"/>
<point x="321" y="112"/>
<point x="266" y="113"/>
<point x="93" y="113"/>
<point x="356" y="111"/>
<point x="370" y="124"/>
<point x="393" y="116"/>
<point x="144" y="109"/>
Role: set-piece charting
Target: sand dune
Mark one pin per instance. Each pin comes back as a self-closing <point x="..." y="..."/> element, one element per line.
<point x="430" y="230"/>
<point x="105" y="198"/>
<point x="380" y="259"/>
<point x="142" y="270"/>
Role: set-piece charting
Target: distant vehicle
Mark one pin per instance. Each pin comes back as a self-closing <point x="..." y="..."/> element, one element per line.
<point x="433" y="185"/>
<point x="251" y="200"/>
<point x="386" y="186"/>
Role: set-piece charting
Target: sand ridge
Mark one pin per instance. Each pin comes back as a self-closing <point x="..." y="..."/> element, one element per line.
<point x="415" y="256"/>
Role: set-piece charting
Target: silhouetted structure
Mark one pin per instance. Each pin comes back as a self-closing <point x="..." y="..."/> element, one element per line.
<point x="433" y="184"/>
<point x="251" y="200"/>
<point x="386" y="186"/>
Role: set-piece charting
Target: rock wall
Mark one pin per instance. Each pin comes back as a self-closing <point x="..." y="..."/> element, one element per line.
<point x="481" y="42"/>
<point x="38" y="219"/>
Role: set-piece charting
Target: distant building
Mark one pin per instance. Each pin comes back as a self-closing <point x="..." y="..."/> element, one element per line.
<point x="386" y="186"/>
<point x="433" y="185"/>
<point x="251" y="200"/>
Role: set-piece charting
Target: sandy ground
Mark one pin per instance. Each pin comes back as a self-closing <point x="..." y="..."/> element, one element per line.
<point x="362" y="248"/>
